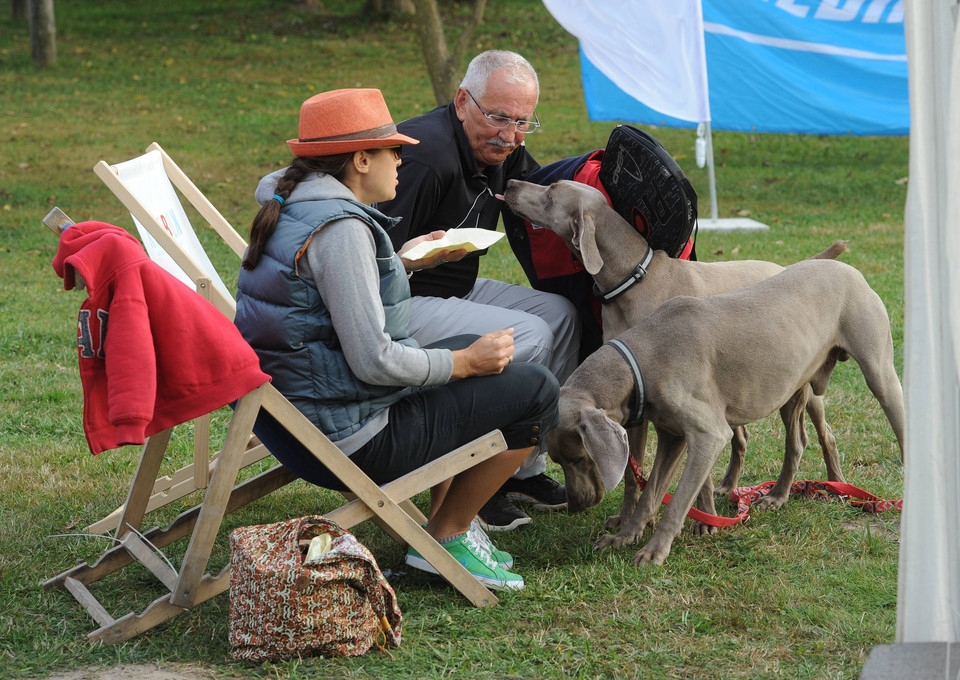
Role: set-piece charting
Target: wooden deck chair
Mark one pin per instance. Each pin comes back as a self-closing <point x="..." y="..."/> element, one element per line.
<point x="145" y="186"/>
<point x="189" y="585"/>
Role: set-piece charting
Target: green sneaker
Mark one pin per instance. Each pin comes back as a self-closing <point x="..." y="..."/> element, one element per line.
<point x="475" y="558"/>
<point x="503" y="559"/>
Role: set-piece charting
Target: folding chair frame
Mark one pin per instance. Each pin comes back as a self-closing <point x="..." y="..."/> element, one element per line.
<point x="189" y="586"/>
<point x="179" y="179"/>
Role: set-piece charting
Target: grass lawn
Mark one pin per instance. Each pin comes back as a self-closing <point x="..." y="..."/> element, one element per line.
<point x="804" y="592"/>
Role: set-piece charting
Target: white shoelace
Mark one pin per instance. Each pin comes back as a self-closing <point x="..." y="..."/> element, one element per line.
<point x="480" y="552"/>
<point x="480" y="536"/>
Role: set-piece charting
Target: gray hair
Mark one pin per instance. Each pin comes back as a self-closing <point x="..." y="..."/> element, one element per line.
<point x="518" y="70"/>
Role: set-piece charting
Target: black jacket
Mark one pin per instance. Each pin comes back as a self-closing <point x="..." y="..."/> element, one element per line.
<point x="440" y="187"/>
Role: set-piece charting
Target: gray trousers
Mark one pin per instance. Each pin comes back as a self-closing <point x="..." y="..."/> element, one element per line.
<point x="546" y="330"/>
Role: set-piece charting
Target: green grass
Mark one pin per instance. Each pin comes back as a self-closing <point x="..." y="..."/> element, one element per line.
<point x="804" y="592"/>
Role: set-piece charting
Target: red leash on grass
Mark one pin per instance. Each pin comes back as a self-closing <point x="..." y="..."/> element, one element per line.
<point x="745" y="496"/>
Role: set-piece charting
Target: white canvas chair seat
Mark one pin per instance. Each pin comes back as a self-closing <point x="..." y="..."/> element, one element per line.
<point x="146" y="179"/>
<point x="145" y="186"/>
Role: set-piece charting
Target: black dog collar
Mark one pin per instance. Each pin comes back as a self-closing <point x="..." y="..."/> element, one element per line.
<point x="635" y="277"/>
<point x="637" y="398"/>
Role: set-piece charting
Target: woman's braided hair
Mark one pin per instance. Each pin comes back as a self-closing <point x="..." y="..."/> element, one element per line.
<point x="265" y="222"/>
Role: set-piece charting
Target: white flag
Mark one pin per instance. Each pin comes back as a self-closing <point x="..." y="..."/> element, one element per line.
<point x="652" y="50"/>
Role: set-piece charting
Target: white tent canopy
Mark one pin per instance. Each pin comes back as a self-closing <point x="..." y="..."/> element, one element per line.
<point x="928" y="596"/>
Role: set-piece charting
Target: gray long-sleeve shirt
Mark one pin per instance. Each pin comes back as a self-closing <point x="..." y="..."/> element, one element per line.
<point x="340" y="259"/>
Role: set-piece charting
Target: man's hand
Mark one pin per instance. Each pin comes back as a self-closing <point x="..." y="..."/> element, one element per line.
<point x="435" y="259"/>
<point x="486" y="356"/>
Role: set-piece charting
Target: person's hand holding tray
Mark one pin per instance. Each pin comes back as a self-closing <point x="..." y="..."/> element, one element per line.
<point x="469" y="239"/>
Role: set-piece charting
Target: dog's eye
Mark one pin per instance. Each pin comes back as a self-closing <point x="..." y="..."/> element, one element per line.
<point x="536" y="226"/>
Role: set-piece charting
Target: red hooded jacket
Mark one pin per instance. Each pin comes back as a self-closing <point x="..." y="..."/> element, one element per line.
<point x="153" y="353"/>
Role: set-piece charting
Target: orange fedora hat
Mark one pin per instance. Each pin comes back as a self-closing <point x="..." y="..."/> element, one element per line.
<point x="341" y="121"/>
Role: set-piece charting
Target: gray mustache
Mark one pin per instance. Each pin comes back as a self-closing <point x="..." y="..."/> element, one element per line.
<point x="497" y="141"/>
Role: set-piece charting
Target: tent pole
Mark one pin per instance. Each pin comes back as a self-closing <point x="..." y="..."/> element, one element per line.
<point x="704" y="155"/>
<point x="712" y="175"/>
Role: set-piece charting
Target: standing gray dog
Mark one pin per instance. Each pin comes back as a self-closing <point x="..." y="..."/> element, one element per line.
<point x="611" y="250"/>
<point x="709" y="364"/>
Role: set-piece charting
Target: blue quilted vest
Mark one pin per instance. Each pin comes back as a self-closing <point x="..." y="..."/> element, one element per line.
<point x="286" y="322"/>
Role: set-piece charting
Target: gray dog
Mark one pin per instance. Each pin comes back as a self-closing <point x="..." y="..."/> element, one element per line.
<point x="711" y="363"/>
<point x="610" y="249"/>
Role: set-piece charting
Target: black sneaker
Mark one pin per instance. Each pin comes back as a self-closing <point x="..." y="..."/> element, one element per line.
<point x="540" y="492"/>
<point x="499" y="514"/>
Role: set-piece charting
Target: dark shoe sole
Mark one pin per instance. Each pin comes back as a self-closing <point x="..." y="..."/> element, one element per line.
<point x="535" y="504"/>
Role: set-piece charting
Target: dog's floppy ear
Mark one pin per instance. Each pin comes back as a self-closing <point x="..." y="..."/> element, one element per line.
<point x="585" y="239"/>
<point x="606" y="442"/>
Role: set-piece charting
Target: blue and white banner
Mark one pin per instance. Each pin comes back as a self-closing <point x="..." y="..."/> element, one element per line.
<point x="807" y="66"/>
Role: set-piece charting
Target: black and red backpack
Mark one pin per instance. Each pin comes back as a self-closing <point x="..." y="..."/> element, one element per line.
<point x="643" y="183"/>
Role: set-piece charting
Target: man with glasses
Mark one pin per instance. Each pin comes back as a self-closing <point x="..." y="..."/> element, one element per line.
<point x="468" y="150"/>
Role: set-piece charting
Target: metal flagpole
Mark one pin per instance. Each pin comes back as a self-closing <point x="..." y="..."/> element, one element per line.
<point x="704" y="154"/>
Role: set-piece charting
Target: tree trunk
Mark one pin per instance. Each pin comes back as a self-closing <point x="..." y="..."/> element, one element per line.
<point x="442" y="65"/>
<point x="43" y="33"/>
<point x="18" y="9"/>
<point x="389" y="7"/>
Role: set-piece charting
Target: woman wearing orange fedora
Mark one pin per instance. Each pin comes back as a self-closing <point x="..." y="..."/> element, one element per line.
<point x="324" y="300"/>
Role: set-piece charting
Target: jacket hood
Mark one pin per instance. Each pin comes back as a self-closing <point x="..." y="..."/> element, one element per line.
<point x="85" y="244"/>
<point x="314" y="187"/>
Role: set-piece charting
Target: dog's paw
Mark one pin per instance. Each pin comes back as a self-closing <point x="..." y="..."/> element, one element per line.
<point x="769" y="502"/>
<point x="722" y="491"/>
<point x="656" y="549"/>
<point x="613" y="541"/>
<point x="647" y="556"/>
<point x="702" y="529"/>
<point x="613" y="522"/>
